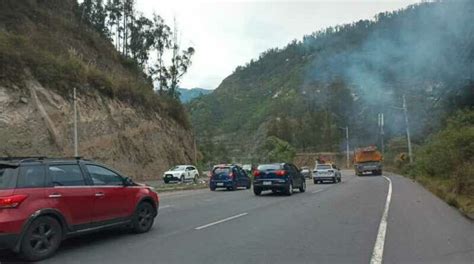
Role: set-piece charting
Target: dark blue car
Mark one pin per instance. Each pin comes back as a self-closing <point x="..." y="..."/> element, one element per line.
<point x="278" y="177"/>
<point x="230" y="177"/>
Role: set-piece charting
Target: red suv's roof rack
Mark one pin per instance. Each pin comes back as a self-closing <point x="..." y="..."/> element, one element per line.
<point x="36" y="158"/>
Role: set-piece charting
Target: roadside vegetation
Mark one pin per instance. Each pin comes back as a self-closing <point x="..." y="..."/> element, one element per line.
<point x="180" y="187"/>
<point x="444" y="164"/>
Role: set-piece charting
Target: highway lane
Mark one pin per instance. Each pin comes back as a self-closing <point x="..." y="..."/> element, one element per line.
<point x="330" y="223"/>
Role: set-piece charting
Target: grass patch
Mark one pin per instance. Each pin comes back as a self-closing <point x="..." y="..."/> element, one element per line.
<point x="445" y="189"/>
<point x="180" y="187"/>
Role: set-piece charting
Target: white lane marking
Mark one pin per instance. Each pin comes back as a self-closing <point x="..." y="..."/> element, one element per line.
<point x="221" y="221"/>
<point x="165" y="206"/>
<point x="377" y="254"/>
<point x="318" y="191"/>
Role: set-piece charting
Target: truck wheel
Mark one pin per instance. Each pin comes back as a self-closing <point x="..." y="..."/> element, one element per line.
<point x="42" y="238"/>
<point x="167" y="181"/>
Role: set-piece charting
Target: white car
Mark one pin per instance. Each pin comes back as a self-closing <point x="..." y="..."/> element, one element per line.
<point x="181" y="173"/>
<point x="326" y="172"/>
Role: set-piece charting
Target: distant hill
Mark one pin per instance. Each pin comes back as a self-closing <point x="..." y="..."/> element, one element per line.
<point x="187" y="95"/>
<point x="343" y="76"/>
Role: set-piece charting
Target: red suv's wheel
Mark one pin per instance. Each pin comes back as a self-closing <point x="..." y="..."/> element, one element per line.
<point x="42" y="238"/>
<point x="143" y="218"/>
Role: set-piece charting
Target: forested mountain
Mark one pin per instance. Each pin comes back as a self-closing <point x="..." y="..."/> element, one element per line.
<point x="343" y="76"/>
<point x="186" y="95"/>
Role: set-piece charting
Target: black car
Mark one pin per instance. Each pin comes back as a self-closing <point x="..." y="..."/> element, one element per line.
<point x="278" y="177"/>
<point x="230" y="177"/>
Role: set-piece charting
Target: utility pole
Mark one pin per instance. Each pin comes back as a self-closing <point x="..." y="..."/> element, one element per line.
<point x="195" y="149"/>
<point x="347" y="148"/>
<point x="76" y="153"/>
<point x="405" y="111"/>
<point x="381" y="124"/>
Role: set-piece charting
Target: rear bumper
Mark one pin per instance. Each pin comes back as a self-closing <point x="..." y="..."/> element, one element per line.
<point x="373" y="171"/>
<point x="325" y="178"/>
<point x="221" y="184"/>
<point x="281" y="184"/>
<point x="8" y="241"/>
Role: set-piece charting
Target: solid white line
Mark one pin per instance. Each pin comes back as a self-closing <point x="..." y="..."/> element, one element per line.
<point x="221" y="221"/>
<point x="318" y="191"/>
<point x="165" y="206"/>
<point x="377" y="254"/>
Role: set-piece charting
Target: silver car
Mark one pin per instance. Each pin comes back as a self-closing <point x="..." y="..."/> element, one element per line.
<point x="306" y="172"/>
<point x="326" y="172"/>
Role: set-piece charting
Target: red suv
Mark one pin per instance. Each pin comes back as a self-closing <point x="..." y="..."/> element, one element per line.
<point x="43" y="201"/>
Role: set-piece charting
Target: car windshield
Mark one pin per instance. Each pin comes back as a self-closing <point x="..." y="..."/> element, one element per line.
<point x="222" y="170"/>
<point x="265" y="167"/>
<point x="323" y="167"/>
<point x="179" y="168"/>
<point x="7" y="177"/>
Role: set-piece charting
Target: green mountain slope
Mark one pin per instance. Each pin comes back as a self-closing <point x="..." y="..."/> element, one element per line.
<point x="186" y="95"/>
<point x="344" y="76"/>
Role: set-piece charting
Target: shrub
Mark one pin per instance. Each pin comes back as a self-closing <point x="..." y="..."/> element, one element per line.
<point x="277" y="150"/>
<point x="449" y="154"/>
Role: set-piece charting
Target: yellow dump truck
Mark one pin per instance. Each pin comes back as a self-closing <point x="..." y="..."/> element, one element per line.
<point x="368" y="160"/>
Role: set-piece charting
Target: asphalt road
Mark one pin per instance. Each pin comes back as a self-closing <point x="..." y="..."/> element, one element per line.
<point x="330" y="223"/>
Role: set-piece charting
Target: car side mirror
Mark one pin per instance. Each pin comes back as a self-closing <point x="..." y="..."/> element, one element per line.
<point x="128" y="182"/>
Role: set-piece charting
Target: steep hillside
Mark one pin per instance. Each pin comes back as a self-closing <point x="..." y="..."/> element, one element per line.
<point x="45" y="51"/>
<point x="344" y="76"/>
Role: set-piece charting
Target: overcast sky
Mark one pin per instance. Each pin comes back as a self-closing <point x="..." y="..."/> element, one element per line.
<point x="228" y="33"/>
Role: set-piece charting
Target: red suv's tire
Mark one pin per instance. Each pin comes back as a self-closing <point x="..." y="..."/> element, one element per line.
<point x="42" y="238"/>
<point x="143" y="218"/>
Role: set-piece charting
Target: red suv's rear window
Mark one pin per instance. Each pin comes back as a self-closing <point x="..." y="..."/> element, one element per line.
<point x="7" y="177"/>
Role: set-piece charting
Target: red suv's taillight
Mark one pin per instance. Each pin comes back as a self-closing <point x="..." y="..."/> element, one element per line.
<point x="12" y="201"/>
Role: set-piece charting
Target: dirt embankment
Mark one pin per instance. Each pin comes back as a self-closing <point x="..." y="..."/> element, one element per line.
<point x="38" y="121"/>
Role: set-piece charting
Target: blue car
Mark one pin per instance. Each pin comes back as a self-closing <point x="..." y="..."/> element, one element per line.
<point x="278" y="177"/>
<point x="230" y="177"/>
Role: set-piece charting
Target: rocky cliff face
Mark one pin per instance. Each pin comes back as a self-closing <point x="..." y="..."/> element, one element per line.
<point x="38" y="121"/>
